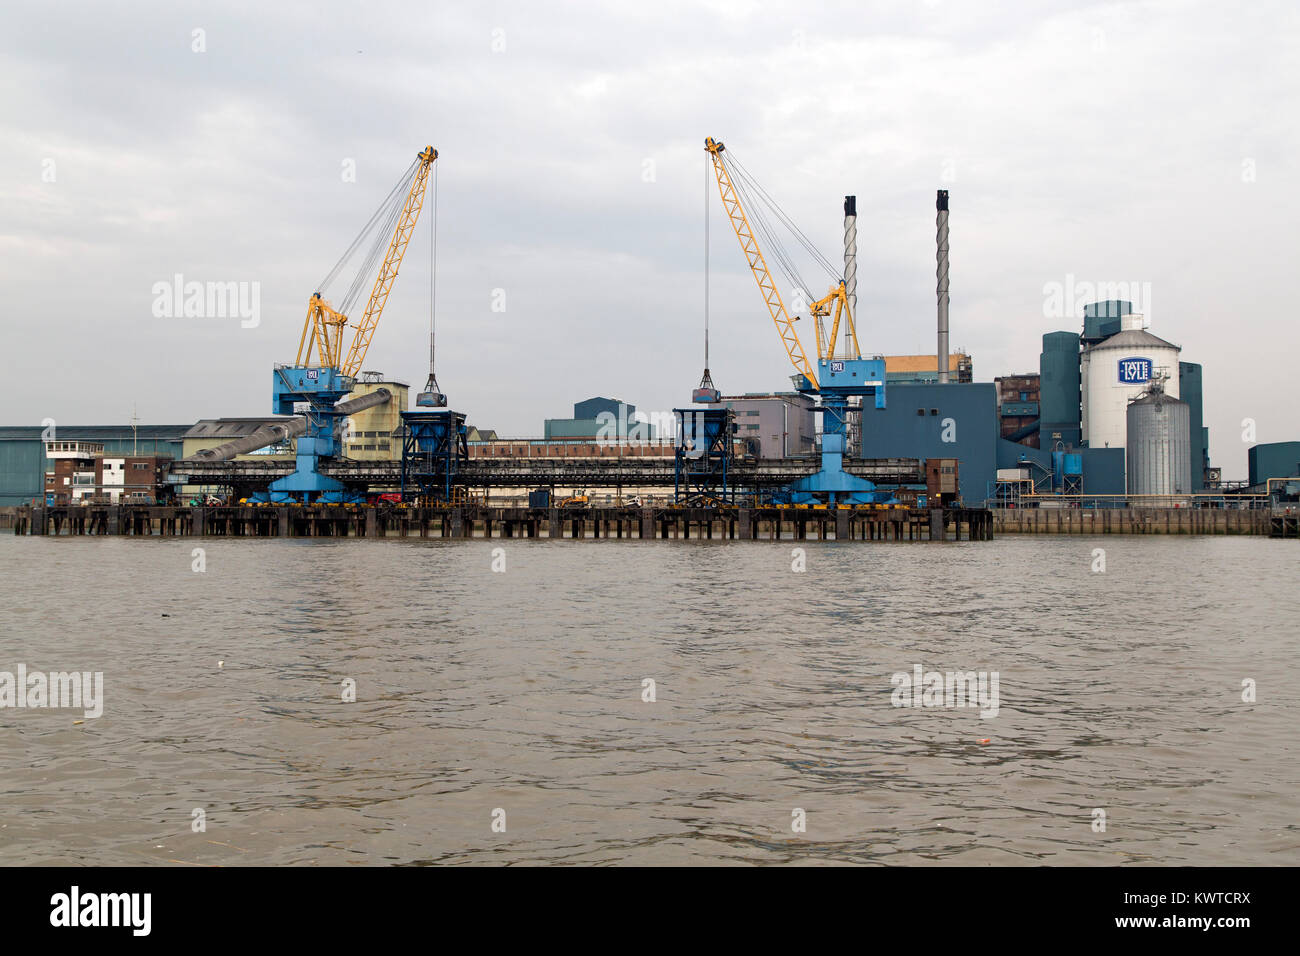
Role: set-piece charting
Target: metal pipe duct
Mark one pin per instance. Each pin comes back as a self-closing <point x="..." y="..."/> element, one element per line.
<point x="353" y="405"/>
<point x="941" y="255"/>
<point x="275" y="432"/>
<point x="850" y="262"/>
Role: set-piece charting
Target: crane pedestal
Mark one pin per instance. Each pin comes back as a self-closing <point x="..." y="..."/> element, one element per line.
<point x="322" y="388"/>
<point x="840" y="379"/>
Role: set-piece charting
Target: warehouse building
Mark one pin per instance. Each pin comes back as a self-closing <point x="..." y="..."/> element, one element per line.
<point x="957" y="420"/>
<point x="604" y="419"/>
<point x="1279" y="459"/>
<point x="24" y="462"/>
<point x="774" y="424"/>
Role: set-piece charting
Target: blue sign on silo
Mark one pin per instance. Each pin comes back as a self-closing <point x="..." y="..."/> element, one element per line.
<point x="1134" y="371"/>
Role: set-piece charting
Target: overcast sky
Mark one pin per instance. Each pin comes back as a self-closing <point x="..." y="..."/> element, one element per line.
<point x="1153" y="144"/>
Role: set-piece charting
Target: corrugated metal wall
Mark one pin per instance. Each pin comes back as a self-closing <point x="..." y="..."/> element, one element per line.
<point x="914" y="425"/>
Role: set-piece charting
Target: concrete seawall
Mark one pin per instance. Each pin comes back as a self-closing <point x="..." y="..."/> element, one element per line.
<point x="1131" y="521"/>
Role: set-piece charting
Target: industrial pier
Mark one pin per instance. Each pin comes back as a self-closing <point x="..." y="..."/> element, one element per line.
<point x="735" y="523"/>
<point x="793" y="522"/>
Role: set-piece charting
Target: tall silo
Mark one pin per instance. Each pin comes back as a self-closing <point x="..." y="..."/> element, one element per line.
<point x="1058" y="370"/>
<point x="1159" y="449"/>
<point x="1117" y="370"/>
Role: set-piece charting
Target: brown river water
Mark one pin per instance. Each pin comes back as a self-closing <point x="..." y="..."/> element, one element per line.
<point x="499" y="715"/>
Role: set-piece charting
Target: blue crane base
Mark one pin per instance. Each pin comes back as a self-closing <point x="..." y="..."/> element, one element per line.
<point x="839" y="379"/>
<point x="322" y="388"/>
<point x="832" y="485"/>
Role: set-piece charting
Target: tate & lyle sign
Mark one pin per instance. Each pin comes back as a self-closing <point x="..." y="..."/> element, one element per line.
<point x="1134" y="371"/>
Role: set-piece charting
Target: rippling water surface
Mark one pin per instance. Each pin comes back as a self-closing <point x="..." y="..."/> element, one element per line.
<point x="522" y="692"/>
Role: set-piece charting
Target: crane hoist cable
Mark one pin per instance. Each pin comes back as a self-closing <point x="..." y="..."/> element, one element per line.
<point x="744" y="201"/>
<point x="432" y="394"/>
<point x="377" y="247"/>
<point x="389" y="228"/>
<point x="366" y="229"/>
<point x="756" y="199"/>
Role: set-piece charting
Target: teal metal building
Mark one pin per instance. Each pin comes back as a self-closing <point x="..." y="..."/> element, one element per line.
<point x="22" y="451"/>
<point x="1190" y="391"/>
<point x="1279" y="459"/>
<point x="1059" y="391"/>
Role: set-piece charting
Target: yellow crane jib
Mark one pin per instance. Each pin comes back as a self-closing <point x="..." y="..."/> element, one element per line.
<point x="839" y="298"/>
<point x="322" y="334"/>
<point x="758" y="265"/>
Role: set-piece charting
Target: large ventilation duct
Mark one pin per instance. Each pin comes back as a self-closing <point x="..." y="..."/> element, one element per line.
<point x="276" y="432"/>
<point x="941" y="255"/>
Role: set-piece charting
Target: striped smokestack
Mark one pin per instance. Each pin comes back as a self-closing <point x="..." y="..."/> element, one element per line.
<point x="941" y="255"/>
<point x="850" y="263"/>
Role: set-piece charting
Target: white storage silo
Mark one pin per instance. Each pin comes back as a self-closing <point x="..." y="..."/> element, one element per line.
<point x="1117" y="370"/>
<point x="1159" y="450"/>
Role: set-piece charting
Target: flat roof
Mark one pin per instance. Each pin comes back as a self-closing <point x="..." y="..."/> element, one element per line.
<point x="922" y="363"/>
<point x="92" y="432"/>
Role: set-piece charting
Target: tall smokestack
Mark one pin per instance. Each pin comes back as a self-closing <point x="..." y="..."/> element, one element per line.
<point x="850" y="263"/>
<point x="941" y="227"/>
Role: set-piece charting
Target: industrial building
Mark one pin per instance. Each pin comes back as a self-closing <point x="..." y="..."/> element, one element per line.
<point x="957" y="420"/>
<point x="774" y="424"/>
<point x="1018" y="404"/>
<point x="1272" y="460"/>
<point x="84" y="472"/>
<point x="1088" y="380"/>
<point x="24" y="461"/>
<point x="1114" y="372"/>
<point x="375" y="433"/>
<point x="606" y="419"/>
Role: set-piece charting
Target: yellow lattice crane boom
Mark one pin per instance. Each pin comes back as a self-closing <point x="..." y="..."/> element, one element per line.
<point x="322" y="332"/>
<point x="834" y="305"/>
<point x="758" y="265"/>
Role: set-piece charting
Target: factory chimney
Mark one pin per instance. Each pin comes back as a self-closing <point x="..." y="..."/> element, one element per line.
<point x="850" y="262"/>
<point x="941" y="226"/>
